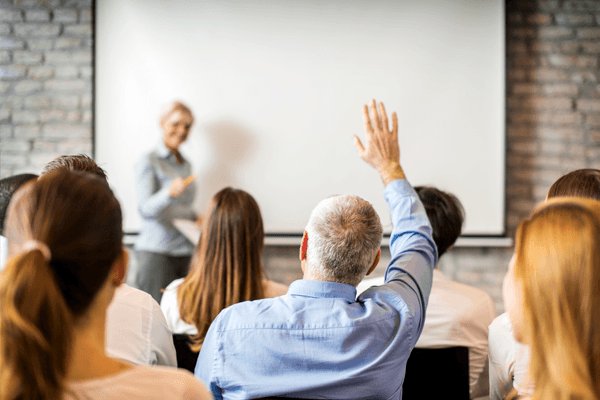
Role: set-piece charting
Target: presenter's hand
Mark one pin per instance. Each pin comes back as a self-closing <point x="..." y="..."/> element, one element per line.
<point x="179" y="185"/>
<point x="381" y="150"/>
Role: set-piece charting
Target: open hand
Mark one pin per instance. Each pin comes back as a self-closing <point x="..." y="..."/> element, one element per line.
<point x="381" y="150"/>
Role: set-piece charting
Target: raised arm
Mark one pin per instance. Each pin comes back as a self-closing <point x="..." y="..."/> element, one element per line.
<point x="412" y="248"/>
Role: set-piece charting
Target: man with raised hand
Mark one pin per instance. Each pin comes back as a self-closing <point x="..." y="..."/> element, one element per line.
<point x="319" y="340"/>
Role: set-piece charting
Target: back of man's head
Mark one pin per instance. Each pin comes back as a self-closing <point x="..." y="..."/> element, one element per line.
<point x="445" y="214"/>
<point x="579" y="183"/>
<point x="344" y="237"/>
<point x="8" y="186"/>
<point x="79" y="162"/>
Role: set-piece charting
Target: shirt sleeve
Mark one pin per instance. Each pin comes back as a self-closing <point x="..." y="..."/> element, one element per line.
<point x="151" y="202"/>
<point x="161" y="339"/>
<point x="207" y="363"/>
<point x="501" y="359"/>
<point x="413" y="251"/>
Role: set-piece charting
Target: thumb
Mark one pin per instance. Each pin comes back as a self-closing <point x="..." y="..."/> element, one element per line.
<point x="358" y="145"/>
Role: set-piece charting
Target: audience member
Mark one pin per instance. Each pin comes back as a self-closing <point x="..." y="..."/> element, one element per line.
<point x="79" y="162"/>
<point x="136" y="329"/>
<point x="165" y="191"/>
<point x="509" y="359"/>
<point x="552" y="299"/>
<point x="226" y="268"/>
<point x="8" y="186"/>
<point x="319" y="340"/>
<point x="65" y="236"/>
<point x="457" y="314"/>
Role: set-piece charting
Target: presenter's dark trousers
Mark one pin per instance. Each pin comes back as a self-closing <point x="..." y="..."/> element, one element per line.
<point x="156" y="271"/>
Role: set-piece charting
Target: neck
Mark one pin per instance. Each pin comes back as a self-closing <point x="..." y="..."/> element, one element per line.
<point x="88" y="357"/>
<point x="88" y="347"/>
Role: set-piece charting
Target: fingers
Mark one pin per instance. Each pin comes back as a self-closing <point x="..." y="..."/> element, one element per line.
<point x="384" y="118"/>
<point x="375" y="115"/>
<point x="394" y="123"/>
<point x="189" y="180"/>
<point x="358" y="145"/>
<point x="367" y="121"/>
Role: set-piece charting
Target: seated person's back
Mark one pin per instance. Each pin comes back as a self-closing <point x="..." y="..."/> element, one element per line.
<point x="222" y="273"/>
<point x="319" y="341"/>
<point x="136" y="329"/>
<point x="457" y="314"/>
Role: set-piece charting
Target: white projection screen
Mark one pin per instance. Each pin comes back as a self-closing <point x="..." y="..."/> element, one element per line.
<point x="277" y="86"/>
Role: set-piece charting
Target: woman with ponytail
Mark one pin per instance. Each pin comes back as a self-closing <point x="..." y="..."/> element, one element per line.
<point x="67" y="259"/>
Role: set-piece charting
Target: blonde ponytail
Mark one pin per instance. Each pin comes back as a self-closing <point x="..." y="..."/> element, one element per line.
<point x="36" y="330"/>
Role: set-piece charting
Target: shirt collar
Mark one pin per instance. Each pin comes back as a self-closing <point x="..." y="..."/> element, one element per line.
<point x="163" y="151"/>
<point x="310" y="288"/>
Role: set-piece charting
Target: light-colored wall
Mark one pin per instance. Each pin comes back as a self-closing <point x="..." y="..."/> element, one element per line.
<point x="553" y="104"/>
<point x="45" y="82"/>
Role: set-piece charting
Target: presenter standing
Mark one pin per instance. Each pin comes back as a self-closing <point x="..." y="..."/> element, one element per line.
<point x="165" y="190"/>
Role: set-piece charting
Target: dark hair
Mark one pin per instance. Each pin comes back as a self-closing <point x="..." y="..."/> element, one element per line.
<point x="77" y="217"/>
<point x="579" y="183"/>
<point x="445" y="214"/>
<point x="226" y="268"/>
<point x="8" y="186"/>
<point x="79" y="162"/>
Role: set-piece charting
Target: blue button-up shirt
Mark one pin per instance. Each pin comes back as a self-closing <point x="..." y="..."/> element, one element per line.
<point x="319" y="340"/>
<point x="153" y="175"/>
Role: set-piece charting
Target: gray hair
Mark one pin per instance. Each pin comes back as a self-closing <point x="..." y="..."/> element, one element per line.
<point x="344" y="236"/>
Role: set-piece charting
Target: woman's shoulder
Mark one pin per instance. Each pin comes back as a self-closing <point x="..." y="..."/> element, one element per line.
<point x="169" y="297"/>
<point x="141" y="382"/>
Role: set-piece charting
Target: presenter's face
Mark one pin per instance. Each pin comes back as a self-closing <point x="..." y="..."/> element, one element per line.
<point x="176" y="128"/>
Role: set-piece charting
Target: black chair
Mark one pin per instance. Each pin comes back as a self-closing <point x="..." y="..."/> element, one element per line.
<point x="437" y="374"/>
<point x="186" y="358"/>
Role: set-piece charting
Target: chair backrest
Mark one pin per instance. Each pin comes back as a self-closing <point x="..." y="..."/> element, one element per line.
<point x="437" y="374"/>
<point x="186" y="358"/>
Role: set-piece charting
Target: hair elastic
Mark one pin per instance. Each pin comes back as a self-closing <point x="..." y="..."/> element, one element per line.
<point x="37" y="245"/>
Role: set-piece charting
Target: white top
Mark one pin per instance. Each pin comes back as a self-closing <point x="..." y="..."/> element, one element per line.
<point x="457" y="315"/>
<point x="136" y="329"/>
<point x="509" y="361"/>
<point x="141" y="383"/>
<point x="3" y="251"/>
<point x="170" y="306"/>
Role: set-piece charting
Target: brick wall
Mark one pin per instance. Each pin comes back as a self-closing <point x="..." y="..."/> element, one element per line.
<point x="45" y="82"/>
<point x="553" y="114"/>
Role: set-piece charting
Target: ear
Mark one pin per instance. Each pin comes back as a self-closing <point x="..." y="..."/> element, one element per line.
<point x="119" y="272"/>
<point x="304" y="246"/>
<point x="377" y="258"/>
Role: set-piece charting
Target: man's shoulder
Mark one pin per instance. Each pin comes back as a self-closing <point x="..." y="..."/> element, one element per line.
<point x="127" y="296"/>
<point x="466" y="300"/>
<point x="244" y="315"/>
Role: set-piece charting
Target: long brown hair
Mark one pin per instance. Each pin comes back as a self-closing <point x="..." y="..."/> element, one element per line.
<point x="558" y="265"/>
<point x="226" y="268"/>
<point x="78" y="219"/>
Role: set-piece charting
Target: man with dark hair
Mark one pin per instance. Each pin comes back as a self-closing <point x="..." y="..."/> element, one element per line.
<point x="457" y="314"/>
<point x="79" y="162"/>
<point x="8" y="186"/>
